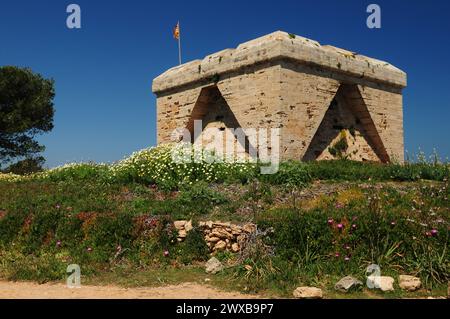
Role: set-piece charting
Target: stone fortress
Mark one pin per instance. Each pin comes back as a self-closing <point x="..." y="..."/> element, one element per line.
<point x="326" y="102"/>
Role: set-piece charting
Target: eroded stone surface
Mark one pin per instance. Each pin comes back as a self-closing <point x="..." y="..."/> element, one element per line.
<point x="213" y="266"/>
<point x="347" y="283"/>
<point x="409" y="283"/>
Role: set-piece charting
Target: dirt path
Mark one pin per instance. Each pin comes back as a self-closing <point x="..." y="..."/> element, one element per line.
<point x="28" y="290"/>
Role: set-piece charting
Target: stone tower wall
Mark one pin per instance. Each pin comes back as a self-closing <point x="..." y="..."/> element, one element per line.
<point x="290" y="83"/>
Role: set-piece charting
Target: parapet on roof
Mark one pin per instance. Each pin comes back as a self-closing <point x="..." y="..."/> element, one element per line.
<point x="275" y="46"/>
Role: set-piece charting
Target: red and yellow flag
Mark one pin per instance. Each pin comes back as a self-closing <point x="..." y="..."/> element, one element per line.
<point x="176" y="31"/>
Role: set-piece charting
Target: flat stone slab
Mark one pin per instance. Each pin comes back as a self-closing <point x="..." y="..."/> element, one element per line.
<point x="347" y="283"/>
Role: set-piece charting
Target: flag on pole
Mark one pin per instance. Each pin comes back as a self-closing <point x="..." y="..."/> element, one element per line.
<point x="176" y="35"/>
<point x="176" y="31"/>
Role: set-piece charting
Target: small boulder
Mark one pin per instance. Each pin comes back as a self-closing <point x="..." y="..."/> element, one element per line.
<point x="182" y="233"/>
<point x="235" y="247"/>
<point x="213" y="266"/>
<point x="308" y="293"/>
<point x="179" y="224"/>
<point x="385" y="283"/>
<point x="347" y="283"/>
<point x="220" y="245"/>
<point x="212" y="239"/>
<point x="409" y="283"/>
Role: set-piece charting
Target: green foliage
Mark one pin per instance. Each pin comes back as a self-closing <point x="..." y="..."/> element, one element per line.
<point x="26" y="109"/>
<point x="112" y="216"/>
<point x="41" y="268"/>
<point x="200" y="197"/>
<point x="259" y="191"/>
<point x="26" y="166"/>
<point x="296" y="234"/>
<point x="417" y="171"/>
<point x="82" y="171"/>
<point x="340" y="239"/>
<point x="345" y="170"/>
<point x="10" y="226"/>
<point x="156" y="166"/>
<point x="40" y="229"/>
<point x="256" y="263"/>
<point x="192" y="164"/>
<point x="290" y="173"/>
<point x="340" y="147"/>
<point x="194" y="247"/>
<point x="108" y="234"/>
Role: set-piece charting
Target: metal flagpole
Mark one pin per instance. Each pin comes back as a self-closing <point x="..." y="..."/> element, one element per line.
<point x="179" y="43"/>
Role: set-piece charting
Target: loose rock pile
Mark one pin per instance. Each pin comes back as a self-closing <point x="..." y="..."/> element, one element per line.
<point x="183" y="227"/>
<point x="219" y="236"/>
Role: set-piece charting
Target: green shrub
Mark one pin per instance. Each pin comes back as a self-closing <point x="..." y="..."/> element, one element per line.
<point x="290" y="173"/>
<point x="42" y="229"/>
<point x="107" y="234"/>
<point x="71" y="172"/>
<point x="38" y="267"/>
<point x="256" y="263"/>
<point x="340" y="239"/>
<point x="194" y="247"/>
<point x="29" y="165"/>
<point x="199" y="198"/>
<point x="345" y="170"/>
<point x="298" y="236"/>
<point x="10" y="226"/>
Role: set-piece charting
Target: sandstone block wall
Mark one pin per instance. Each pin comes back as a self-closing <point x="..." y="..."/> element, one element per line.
<point x="327" y="102"/>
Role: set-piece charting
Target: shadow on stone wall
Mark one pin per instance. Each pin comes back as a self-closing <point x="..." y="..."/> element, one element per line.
<point x="347" y="131"/>
<point x="217" y="117"/>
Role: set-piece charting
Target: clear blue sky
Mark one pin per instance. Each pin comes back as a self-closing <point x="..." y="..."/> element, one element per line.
<point x="105" y="109"/>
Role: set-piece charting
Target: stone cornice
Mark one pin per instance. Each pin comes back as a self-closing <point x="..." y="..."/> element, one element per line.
<point x="278" y="46"/>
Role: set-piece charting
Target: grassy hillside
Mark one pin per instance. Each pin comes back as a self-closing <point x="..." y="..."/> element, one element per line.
<point x="322" y="221"/>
